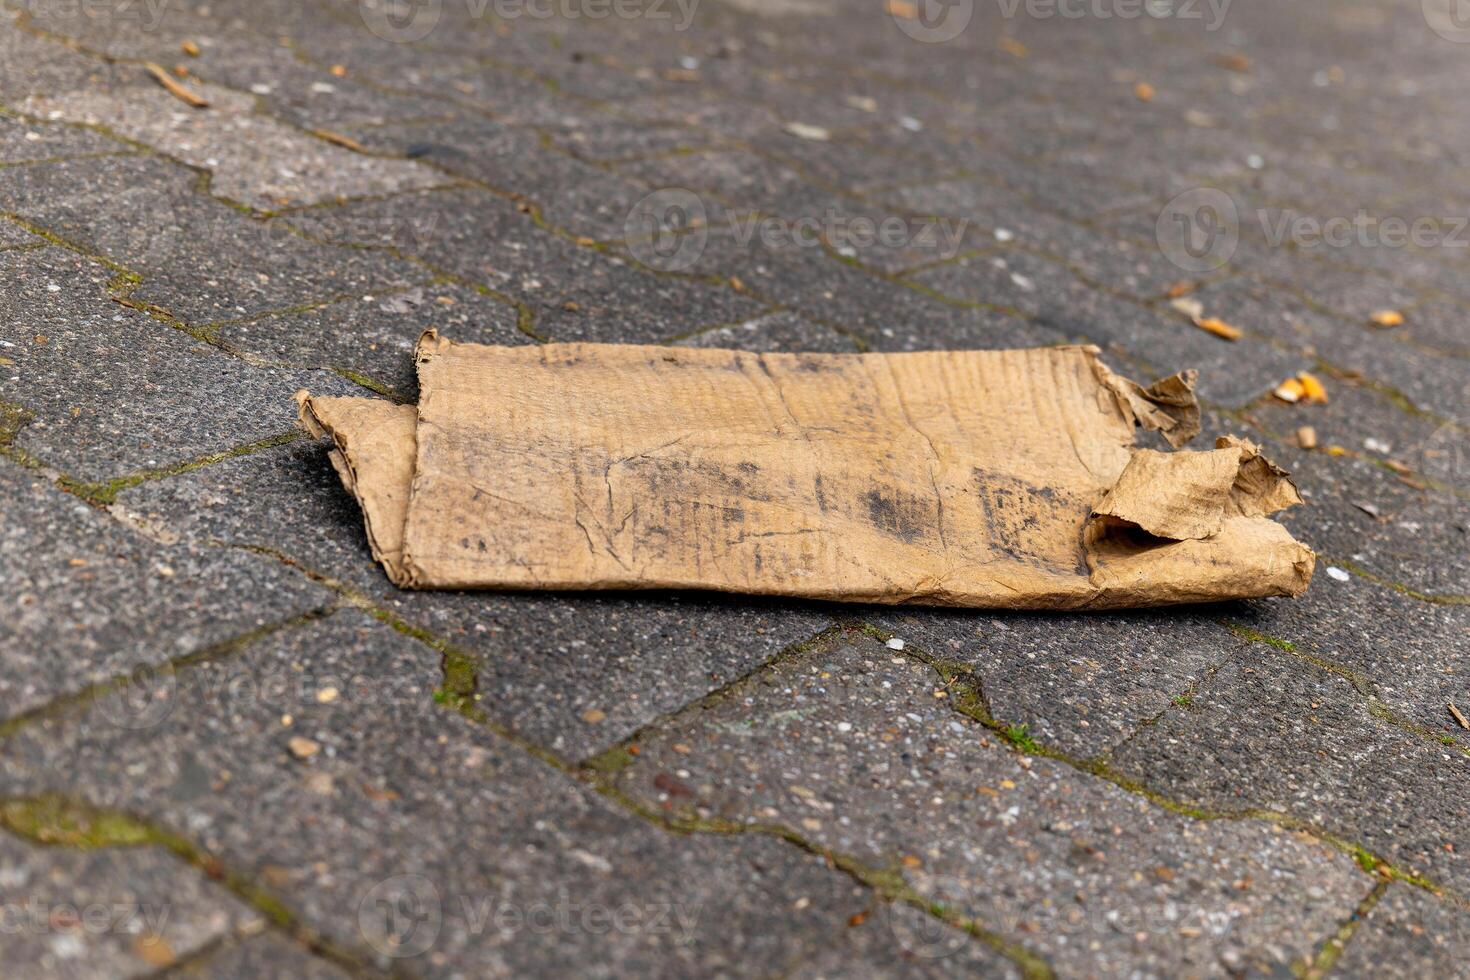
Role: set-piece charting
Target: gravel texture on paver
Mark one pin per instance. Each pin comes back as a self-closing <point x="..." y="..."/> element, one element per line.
<point x="1252" y="789"/>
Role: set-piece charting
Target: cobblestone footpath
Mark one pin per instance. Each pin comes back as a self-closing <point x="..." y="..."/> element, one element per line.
<point x="229" y="748"/>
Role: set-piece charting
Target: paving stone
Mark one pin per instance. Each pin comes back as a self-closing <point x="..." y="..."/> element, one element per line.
<point x="1419" y="935"/>
<point x="199" y="259"/>
<point x="1409" y="653"/>
<point x="26" y="142"/>
<point x="268" y="955"/>
<point x="850" y="745"/>
<point x="254" y="159"/>
<point x="89" y="915"/>
<point x="582" y="199"/>
<point x="774" y="332"/>
<point x="1435" y="383"/>
<point x="88" y="601"/>
<point x="1268" y="730"/>
<point x="886" y="315"/>
<point x="541" y="671"/>
<point x="1081" y="684"/>
<point x="575" y="293"/>
<point x="111" y="391"/>
<point x="375" y="335"/>
<point x="513" y="866"/>
<point x="14" y="236"/>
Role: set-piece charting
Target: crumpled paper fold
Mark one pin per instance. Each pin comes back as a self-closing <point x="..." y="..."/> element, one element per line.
<point x="998" y="479"/>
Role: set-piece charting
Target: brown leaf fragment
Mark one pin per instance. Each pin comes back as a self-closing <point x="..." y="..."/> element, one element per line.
<point x="1459" y="717"/>
<point x="190" y="48"/>
<point x="1143" y="91"/>
<point x="901" y="8"/>
<point x="1181" y="289"/>
<point x="1013" y="47"/>
<point x="1234" y="62"/>
<point x="173" y="88"/>
<point x="338" y="139"/>
<point x="1306" y="437"/>
<point x="1387" y="319"/>
<point x="1219" y="328"/>
<point x="154" y="950"/>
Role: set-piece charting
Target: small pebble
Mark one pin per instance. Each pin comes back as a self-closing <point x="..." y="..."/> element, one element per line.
<point x="1337" y="574"/>
<point x="895" y="644"/>
<point x="303" y="748"/>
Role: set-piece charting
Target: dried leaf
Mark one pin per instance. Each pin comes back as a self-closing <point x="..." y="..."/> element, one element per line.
<point x="339" y="71"/>
<point x="1182" y="289"/>
<point x="807" y="131"/>
<point x="1189" y="306"/>
<point x="1290" y="391"/>
<point x="1144" y="91"/>
<point x="1234" y="62"/>
<point x="1219" y="328"/>
<point x="154" y="950"/>
<point x="1387" y="319"/>
<point x="346" y="142"/>
<point x="902" y="8"/>
<point x="1459" y="717"/>
<point x="190" y="48"/>
<point x="1013" y="47"/>
<point x="1306" y="437"/>
<point x="1313" y="388"/>
<point x="174" y="88"/>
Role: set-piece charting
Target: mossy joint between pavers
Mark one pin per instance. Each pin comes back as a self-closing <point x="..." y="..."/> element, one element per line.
<point x="1438" y="599"/>
<point x="535" y="212"/>
<point x="973" y="707"/>
<point x="145" y="673"/>
<point x="1332" y="947"/>
<point x="105" y="493"/>
<point x="57" y="820"/>
<point x="790" y="164"/>
<point x="459" y="693"/>
<point x="1361" y="684"/>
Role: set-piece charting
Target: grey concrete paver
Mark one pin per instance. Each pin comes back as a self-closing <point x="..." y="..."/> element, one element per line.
<point x="540" y="670"/>
<point x="88" y="601"/>
<point x="516" y="868"/>
<point x="857" y="746"/>
<point x="181" y="322"/>
<point x="139" y="394"/>
<point x="97" y="914"/>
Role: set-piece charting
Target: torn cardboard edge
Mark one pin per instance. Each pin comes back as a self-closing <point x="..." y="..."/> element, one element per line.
<point x="999" y="479"/>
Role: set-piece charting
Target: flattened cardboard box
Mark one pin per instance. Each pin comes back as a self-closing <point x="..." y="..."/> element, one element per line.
<point x="1001" y="479"/>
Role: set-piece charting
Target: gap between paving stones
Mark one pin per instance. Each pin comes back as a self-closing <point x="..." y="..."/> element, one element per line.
<point x="1332" y="947"/>
<point x="525" y="318"/>
<point x="54" y="820"/>
<point x="49" y="819"/>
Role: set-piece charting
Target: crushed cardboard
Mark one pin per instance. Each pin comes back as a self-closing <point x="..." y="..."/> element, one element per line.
<point x="998" y="479"/>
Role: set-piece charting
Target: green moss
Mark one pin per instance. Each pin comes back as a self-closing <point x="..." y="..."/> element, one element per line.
<point x="1018" y="736"/>
<point x="59" y="822"/>
<point x="1255" y="636"/>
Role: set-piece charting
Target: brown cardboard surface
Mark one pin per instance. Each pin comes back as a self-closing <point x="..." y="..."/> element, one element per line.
<point x="1004" y="479"/>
